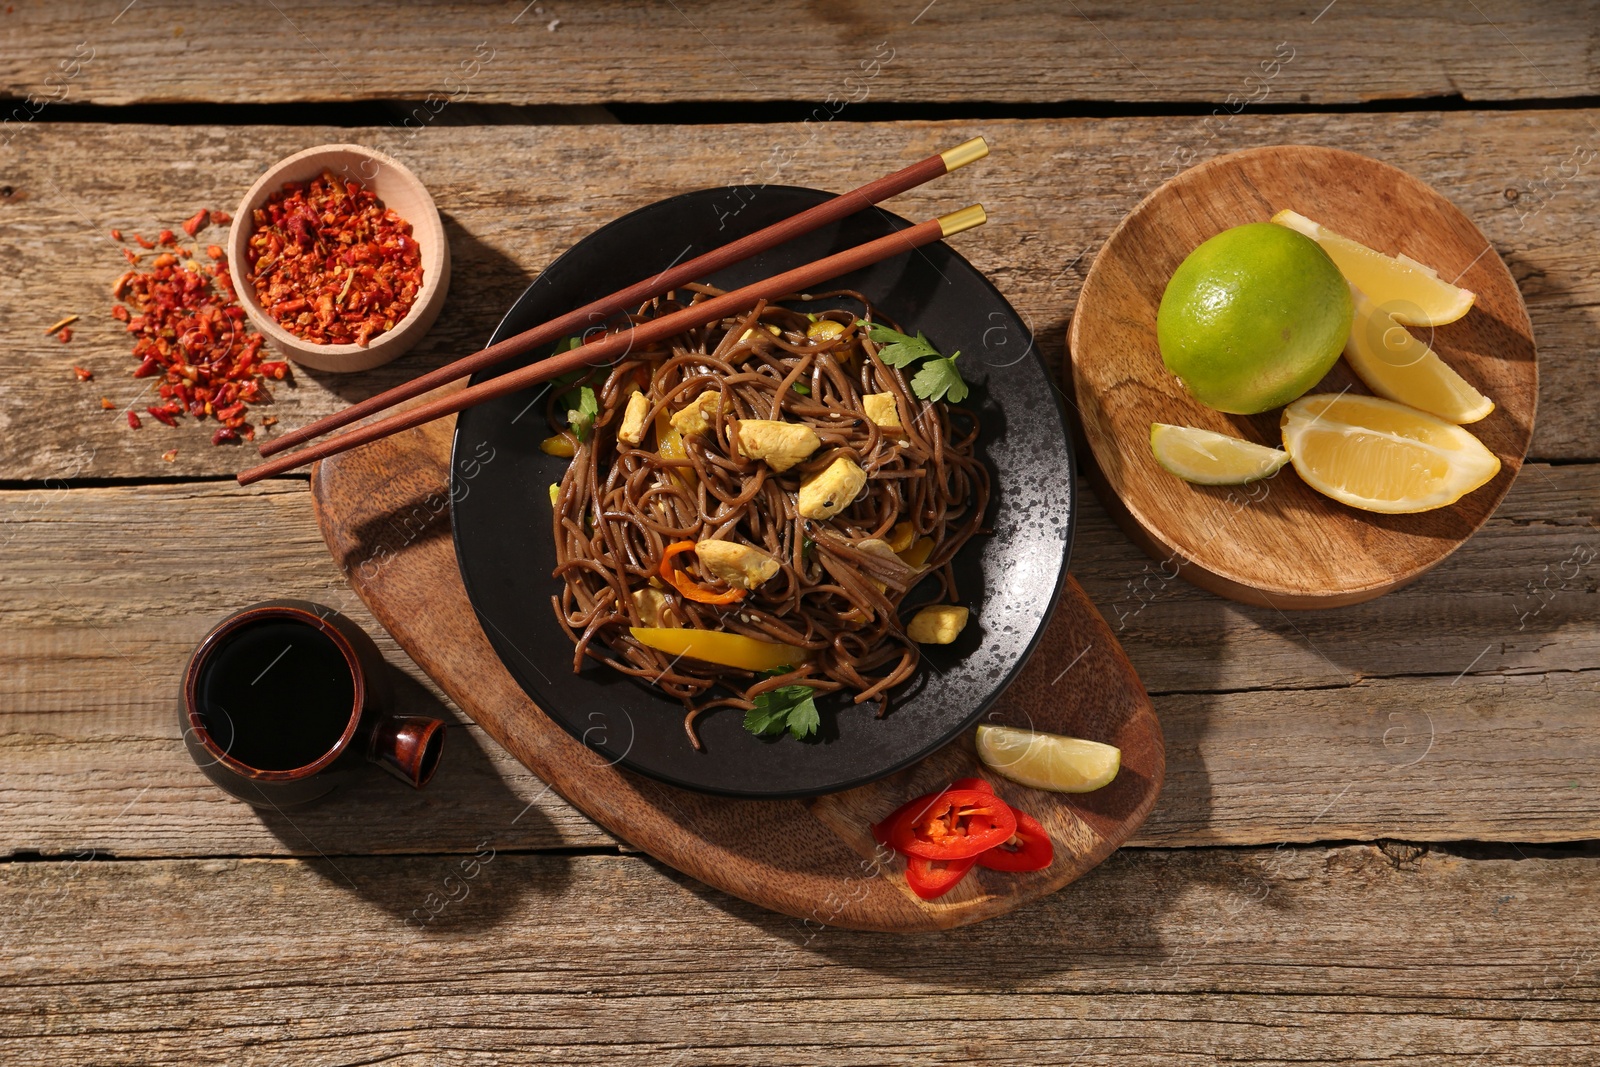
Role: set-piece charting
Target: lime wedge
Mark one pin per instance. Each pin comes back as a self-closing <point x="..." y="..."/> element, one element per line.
<point x="1048" y="761"/>
<point x="1208" y="458"/>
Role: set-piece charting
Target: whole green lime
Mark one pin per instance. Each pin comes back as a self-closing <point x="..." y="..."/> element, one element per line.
<point x="1253" y="318"/>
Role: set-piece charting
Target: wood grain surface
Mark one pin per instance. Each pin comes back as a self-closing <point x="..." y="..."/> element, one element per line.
<point x="833" y="54"/>
<point x="1474" y="953"/>
<point x="1342" y="955"/>
<point x="1279" y="542"/>
<point x="814" y="859"/>
<point x="1054" y="191"/>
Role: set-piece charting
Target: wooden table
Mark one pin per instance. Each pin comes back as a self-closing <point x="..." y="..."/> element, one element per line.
<point x="1376" y="839"/>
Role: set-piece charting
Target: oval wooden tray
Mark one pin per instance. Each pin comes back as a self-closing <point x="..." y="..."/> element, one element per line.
<point x="383" y="512"/>
<point x="1278" y="542"/>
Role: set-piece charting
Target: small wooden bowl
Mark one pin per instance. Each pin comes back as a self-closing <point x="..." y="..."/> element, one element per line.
<point x="1278" y="542"/>
<point x="399" y="189"/>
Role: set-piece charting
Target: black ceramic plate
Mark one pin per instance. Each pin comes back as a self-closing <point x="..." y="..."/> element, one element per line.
<point x="501" y="510"/>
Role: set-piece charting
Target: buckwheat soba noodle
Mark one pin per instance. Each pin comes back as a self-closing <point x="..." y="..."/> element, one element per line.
<point x="832" y="489"/>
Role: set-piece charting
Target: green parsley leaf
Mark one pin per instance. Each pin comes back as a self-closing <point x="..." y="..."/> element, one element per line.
<point x="899" y="349"/>
<point x="581" y="418"/>
<point x="938" y="379"/>
<point x="789" y="707"/>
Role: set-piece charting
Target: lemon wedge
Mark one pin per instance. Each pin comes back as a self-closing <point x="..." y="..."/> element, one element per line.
<point x="1396" y="365"/>
<point x="1413" y="293"/>
<point x="1208" y="458"/>
<point x="1377" y="455"/>
<point x="1048" y="761"/>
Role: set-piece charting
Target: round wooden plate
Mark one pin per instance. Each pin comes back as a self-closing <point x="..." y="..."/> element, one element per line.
<point x="1278" y="542"/>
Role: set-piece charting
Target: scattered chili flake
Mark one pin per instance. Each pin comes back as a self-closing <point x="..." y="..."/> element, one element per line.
<point x="106" y="403"/>
<point x="116" y="235"/>
<point x="143" y="243"/>
<point x="167" y="237"/>
<point x="331" y="263"/>
<point x="270" y="420"/>
<point x="215" y="251"/>
<point x="133" y="257"/>
<point x="84" y="374"/>
<point x="197" y="222"/>
<point x="67" y="321"/>
<point x="225" y="435"/>
<point x="190" y="334"/>
<point x="220" y="218"/>
<point x="170" y="454"/>
<point x="66" y="334"/>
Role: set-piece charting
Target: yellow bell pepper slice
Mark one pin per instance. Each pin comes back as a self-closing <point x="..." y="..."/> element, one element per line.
<point x="715" y="646"/>
<point x="917" y="555"/>
<point x="669" y="444"/>
<point x="901" y="537"/>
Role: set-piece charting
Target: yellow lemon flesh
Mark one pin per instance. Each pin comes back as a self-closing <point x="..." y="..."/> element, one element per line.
<point x="1253" y="318"/>
<point x="1413" y="293"/>
<point x="1377" y="455"/>
<point x="1395" y="364"/>
<point x="1208" y="458"/>
<point x="1048" y="761"/>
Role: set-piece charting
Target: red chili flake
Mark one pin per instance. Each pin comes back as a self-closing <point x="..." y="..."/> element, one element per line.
<point x="116" y="235"/>
<point x="167" y="237"/>
<point x="84" y="374"/>
<point x="170" y="454"/>
<point x="190" y="334"/>
<point x="220" y="218"/>
<point x="225" y="435"/>
<point x="133" y="257"/>
<point x="331" y="263"/>
<point x="105" y="402"/>
<point x="215" y="251"/>
<point x="197" y="222"/>
<point x="143" y="243"/>
<point x="66" y="335"/>
<point x="133" y="420"/>
<point x="270" y="420"/>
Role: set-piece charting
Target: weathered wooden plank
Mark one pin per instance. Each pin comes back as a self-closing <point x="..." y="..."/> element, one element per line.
<point x="1333" y="955"/>
<point x="553" y="51"/>
<point x="515" y="197"/>
<point x="104" y="594"/>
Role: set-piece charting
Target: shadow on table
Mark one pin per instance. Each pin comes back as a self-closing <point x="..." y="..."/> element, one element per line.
<point x="460" y="821"/>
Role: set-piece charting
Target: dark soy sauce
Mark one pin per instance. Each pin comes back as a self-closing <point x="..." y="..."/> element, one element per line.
<point x="276" y="694"/>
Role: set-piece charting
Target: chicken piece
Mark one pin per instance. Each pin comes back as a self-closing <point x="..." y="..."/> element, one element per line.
<point x="632" y="429"/>
<point x="781" y="444"/>
<point x="654" y="607"/>
<point x="830" y="491"/>
<point x="700" y="415"/>
<point x="882" y="410"/>
<point x="738" y="565"/>
<point x="937" y="625"/>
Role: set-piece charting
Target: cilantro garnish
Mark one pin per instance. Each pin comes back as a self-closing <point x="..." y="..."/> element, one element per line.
<point x="789" y="707"/>
<point x="936" y="379"/>
<point x="581" y="403"/>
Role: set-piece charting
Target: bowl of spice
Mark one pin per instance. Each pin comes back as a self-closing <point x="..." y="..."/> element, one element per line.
<point x="340" y="257"/>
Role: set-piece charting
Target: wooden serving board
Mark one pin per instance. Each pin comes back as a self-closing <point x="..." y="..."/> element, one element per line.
<point x="383" y="511"/>
<point x="1278" y="542"/>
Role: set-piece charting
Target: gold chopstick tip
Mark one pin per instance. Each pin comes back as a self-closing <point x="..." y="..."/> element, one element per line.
<point x="964" y="153"/>
<point x="965" y="219"/>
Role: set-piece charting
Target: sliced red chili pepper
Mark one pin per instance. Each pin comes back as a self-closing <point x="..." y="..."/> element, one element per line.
<point x="880" y="829"/>
<point x="931" y="879"/>
<point x="196" y="222"/>
<point x="162" y="415"/>
<point x="954" y="824"/>
<point x="144" y="243"/>
<point x="1028" y="849"/>
<point x="133" y="420"/>
<point x="221" y="218"/>
<point x="687" y="585"/>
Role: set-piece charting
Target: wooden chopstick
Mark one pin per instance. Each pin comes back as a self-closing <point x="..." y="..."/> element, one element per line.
<point x="696" y="269"/>
<point x="615" y="346"/>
